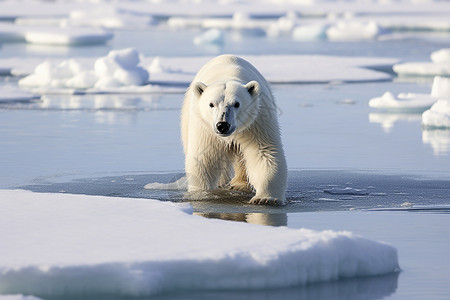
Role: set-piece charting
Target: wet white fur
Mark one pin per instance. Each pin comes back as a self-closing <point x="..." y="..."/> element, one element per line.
<point x="254" y="149"/>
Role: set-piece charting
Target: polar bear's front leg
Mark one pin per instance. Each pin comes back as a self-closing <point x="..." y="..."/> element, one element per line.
<point x="267" y="172"/>
<point x="199" y="176"/>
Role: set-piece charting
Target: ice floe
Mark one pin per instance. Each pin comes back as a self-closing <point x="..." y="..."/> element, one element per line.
<point x="51" y="35"/>
<point x="354" y="30"/>
<point x="211" y="37"/>
<point x="119" y="68"/>
<point x="108" y="17"/>
<point x="441" y="56"/>
<point x="403" y="102"/>
<point x="310" y="32"/>
<point x="18" y="297"/>
<point x="412" y="101"/>
<point x="440" y="66"/>
<point x="111" y="74"/>
<point x="441" y="87"/>
<point x="14" y="94"/>
<point x="61" y="245"/>
<point x="438" y="115"/>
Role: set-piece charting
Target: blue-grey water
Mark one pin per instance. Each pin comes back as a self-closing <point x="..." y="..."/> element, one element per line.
<point x="377" y="174"/>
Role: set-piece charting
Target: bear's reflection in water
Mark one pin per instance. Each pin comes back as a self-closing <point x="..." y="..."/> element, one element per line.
<point x="272" y="219"/>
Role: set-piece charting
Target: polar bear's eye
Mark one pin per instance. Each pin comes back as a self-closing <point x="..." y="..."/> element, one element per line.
<point x="237" y="104"/>
<point x="211" y="105"/>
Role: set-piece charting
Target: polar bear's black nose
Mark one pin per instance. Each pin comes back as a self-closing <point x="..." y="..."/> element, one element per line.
<point x="223" y="127"/>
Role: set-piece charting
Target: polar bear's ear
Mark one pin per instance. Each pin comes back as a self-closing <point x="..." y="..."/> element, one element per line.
<point x="199" y="88"/>
<point x="252" y="88"/>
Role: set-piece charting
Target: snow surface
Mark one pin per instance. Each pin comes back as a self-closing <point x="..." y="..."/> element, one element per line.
<point x="54" y="244"/>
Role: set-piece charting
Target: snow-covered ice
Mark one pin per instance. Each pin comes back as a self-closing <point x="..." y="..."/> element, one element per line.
<point x="119" y="68"/>
<point x="438" y="115"/>
<point x="310" y="32"/>
<point x="210" y="37"/>
<point x="114" y="75"/>
<point x="440" y="65"/>
<point x="286" y="68"/>
<point x="441" y="87"/>
<point x="56" y="244"/>
<point x="52" y="35"/>
<point x="404" y="101"/>
<point x="412" y="101"/>
<point x="345" y="31"/>
<point x="14" y="94"/>
<point x="18" y="297"/>
<point x="67" y="36"/>
<point x="441" y="56"/>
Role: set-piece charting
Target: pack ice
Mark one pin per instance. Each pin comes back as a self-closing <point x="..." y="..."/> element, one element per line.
<point x="60" y="244"/>
<point x="118" y="68"/>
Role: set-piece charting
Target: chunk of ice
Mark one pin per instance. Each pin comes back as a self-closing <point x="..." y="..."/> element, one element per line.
<point x="67" y="245"/>
<point x="211" y="37"/>
<point x="354" y="31"/>
<point x="404" y="101"/>
<point x="438" y="115"/>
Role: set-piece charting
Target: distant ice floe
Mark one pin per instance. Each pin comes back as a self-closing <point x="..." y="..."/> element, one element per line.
<point x="118" y="69"/>
<point x="354" y="30"/>
<point x="211" y="37"/>
<point x="403" y="102"/>
<point x="18" y="297"/>
<point x="440" y="66"/>
<point x="14" y="94"/>
<point x="103" y="246"/>
<point x="310" y="32"/>
<point x="67" y="36"/>
<point x="413" y="102"/>
<point x="128" y="71"/>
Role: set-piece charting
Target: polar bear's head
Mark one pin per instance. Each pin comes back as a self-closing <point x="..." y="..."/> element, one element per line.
<point x="227" y="107"/>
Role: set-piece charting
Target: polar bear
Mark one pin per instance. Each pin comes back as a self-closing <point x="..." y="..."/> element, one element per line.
<point x="229" y="121"/>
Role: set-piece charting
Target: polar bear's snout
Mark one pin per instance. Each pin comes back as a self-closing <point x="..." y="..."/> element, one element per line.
<point x="223" y="128"/>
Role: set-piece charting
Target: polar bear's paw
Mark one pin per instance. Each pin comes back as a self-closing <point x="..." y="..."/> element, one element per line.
<point x="240" y="187"/>
<point x="266" y="201"/>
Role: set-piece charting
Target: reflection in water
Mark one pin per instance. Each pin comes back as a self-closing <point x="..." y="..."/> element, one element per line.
<point x="100" y="102"/>
<point x="273" y="219"/>
<point x="439" y="139"/>
<point x="388" y="120"/>
<point x="368" y="288"/>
